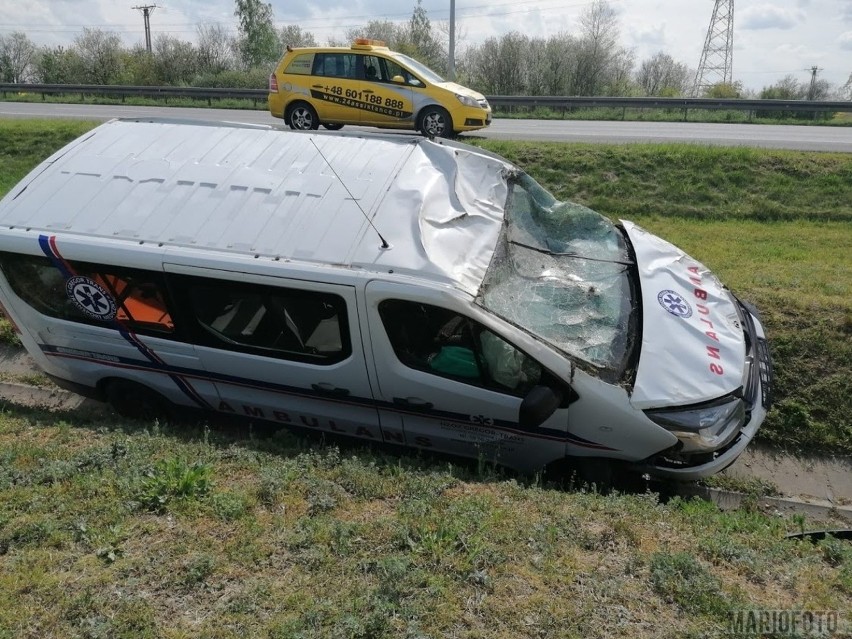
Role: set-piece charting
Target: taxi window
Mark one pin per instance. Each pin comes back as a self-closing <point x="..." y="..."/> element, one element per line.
<point x="301" y="64"/>
<point x="336" y="65"/>
<point x="94" y="294"/>
<point x="392" y="69"/>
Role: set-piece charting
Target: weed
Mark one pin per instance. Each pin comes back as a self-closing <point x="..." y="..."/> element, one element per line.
<point x="229" y="506"/>
<point x="680" y="579"/>
<point x="172" y="479"/>
<point x="835" y="552"/>
<point x="8" y="335"/>
<point x="197" y="570"/>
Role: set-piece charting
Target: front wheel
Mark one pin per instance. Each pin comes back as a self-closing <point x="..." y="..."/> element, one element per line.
<point x="333" y="127"/>
<point x="436" y="122"/>
<point x="135" y="401"/>
<point x="302" y="117"/>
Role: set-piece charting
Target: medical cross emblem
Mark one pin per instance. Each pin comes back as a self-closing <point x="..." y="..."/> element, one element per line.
<point x="674" y="304"/>
<point x="482" y="420"/>
<point x="90" y="298"/>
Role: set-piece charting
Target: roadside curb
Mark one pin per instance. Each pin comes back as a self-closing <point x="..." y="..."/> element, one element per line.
<point x="730" y="500"/>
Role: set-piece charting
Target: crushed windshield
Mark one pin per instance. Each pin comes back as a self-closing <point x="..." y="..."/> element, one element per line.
<point x="561" y="272"/>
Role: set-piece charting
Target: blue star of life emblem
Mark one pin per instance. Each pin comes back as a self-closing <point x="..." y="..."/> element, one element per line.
<point x="90" y="298"/>
<point x="674" y="303"/>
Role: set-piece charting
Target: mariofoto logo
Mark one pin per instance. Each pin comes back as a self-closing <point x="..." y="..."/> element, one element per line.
<point x="90" y="297"/>
<point x="784" y="623"/>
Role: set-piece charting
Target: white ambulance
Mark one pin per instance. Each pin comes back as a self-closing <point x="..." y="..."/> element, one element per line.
<point x="396" y="289"/>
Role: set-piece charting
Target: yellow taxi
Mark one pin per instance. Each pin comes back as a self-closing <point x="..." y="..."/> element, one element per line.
<point x="368" y="84"/>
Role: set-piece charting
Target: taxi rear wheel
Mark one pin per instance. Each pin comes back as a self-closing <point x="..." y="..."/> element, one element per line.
<point x="301" y="116"/>
<point x="436" y="122"/>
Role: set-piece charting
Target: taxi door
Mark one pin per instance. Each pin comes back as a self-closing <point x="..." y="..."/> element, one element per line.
<point x="336" y="86"/>
<point x="387" y="99"/>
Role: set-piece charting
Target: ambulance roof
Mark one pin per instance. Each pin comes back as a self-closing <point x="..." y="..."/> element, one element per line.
<point x="258" y="190"/>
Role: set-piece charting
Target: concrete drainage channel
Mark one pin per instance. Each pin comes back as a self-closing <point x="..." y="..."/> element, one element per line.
<point x="818" y="488"/>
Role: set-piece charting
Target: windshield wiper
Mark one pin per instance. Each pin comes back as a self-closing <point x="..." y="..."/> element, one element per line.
<point x="574" y="255"/>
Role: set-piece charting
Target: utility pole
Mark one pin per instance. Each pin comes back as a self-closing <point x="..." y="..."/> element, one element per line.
<point x="451" y="67"/>
<point x="717" y="57"/>
<point x="812" y="89"/>
<point x="146" y="10"/>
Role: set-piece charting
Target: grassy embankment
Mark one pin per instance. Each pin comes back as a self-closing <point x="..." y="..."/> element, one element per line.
<point x="110" y="529"/>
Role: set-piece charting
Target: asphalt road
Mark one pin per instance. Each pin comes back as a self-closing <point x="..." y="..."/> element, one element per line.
<point x="802" y="138"/>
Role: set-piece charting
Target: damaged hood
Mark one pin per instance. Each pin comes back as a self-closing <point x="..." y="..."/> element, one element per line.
<point x="693" y="348"/>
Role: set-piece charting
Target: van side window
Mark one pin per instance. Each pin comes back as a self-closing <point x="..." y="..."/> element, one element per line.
<point x="446" y="343"/>
<point x="287" y="323"/>
<point x="335" y="65"/>
<point x="134" y="298"/>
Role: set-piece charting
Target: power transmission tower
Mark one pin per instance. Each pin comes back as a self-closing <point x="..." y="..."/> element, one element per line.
<point x="812" y="89"/>
<point x="146" y="14"/>
<point x="717" y="58"/>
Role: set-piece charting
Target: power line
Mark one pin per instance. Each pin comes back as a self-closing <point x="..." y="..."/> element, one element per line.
<point x="146" y="10"/>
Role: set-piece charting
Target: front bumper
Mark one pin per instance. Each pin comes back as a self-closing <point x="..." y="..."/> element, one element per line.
<point x="757" y="391"/>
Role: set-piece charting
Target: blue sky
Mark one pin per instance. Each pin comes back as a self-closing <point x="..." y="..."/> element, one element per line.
<point x="772" y="39"/>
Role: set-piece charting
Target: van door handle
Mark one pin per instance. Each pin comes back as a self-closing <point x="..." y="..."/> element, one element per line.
<point x="368" y="91"/>
<point x="330" y="389"/>
<point x="413" y="402"/>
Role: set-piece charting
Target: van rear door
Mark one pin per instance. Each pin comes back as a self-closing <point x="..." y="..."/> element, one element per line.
<point x="281" y="350"/>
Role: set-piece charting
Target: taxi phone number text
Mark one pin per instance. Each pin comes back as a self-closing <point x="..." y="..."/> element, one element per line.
<point x="372" y="98"/>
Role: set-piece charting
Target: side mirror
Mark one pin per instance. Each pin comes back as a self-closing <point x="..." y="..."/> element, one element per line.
<point x="539" y="404"/>
<point x="398" y="79"/>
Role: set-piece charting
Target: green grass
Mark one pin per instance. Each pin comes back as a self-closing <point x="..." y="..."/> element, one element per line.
<point x="283" y="538"/>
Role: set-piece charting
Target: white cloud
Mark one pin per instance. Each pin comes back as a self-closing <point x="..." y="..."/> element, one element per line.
<point x="768" y="16"/>
<point x="845" y="41"/>
<point x="652" y="36"/>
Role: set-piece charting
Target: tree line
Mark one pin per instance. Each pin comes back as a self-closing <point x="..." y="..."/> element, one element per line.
<point x="587" y="62"/>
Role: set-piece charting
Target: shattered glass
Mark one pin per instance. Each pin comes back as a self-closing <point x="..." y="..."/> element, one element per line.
<point x="561" y="272"/>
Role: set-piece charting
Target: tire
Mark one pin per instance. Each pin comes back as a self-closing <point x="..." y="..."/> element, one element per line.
<point x="333" y="127"/>
<point x="435" y="122"/>
<point x="135" y="401"/>
<point x="302" y="117"/>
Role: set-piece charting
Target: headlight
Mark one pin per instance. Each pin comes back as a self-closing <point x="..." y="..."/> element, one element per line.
<point x="467" y="100"/>
<point x="704" y="429"/>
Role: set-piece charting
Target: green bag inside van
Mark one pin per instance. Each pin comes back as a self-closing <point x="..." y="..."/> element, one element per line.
<point x="455" y="360"/>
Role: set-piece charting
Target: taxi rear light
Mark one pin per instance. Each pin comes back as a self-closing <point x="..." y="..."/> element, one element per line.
<point x="273" y="83"/>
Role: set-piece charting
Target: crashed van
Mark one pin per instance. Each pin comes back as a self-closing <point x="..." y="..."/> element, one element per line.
<point x="394" y="289"/>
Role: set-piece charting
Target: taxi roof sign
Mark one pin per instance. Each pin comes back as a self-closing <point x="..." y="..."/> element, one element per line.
<point x="368" y="43"/>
